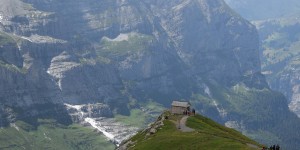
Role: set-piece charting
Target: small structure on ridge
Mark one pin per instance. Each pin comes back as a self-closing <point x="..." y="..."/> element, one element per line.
<point x="180" y="107"/>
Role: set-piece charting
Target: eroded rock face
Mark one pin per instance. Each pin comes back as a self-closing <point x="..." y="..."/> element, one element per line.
<point x="288" y="82"/>
<point x="295" y="96"/>
<point x="278" y="27"/>
<point x="280" y="56"/>
<point x="124" y="53"/>
<point x="216" y="26"/>
<point x="114" y="52"/>
<point x="155" y="45"/>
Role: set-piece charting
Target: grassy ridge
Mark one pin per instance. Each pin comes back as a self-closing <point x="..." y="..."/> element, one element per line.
<point x="51" y="135"/>
<point x="133" y="43"/>
<point x="207" y="135"/>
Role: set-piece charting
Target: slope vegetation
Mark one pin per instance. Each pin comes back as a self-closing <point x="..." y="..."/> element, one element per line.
<point x="51" y="135"/>
<point x="207" y="134"/>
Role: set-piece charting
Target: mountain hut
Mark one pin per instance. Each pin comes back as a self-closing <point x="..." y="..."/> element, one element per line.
<point x="180" y="107"/>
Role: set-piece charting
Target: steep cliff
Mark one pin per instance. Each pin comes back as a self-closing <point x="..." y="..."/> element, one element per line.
<point x="138" y="48"/>
<point x="125" y="53"/>
<point x="278" y="26"/>
<point x="280" y="57"/>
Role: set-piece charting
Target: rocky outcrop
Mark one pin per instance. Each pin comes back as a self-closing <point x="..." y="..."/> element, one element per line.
<point x="150" y="130"/>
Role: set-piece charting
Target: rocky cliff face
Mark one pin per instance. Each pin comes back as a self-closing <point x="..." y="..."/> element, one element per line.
<point x="278" y="26"/>
<point x="124" y="53"/>
<point x="280" y="56"/>
<point x="140" y="45"/>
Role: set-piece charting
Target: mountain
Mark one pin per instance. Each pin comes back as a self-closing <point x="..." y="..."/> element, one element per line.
<point x="121" y="62"/>
<point x="279" y="38"/>
<point x="281" y="55"/>
<point x="267" y="9"/>
<point x="204" y="133"/>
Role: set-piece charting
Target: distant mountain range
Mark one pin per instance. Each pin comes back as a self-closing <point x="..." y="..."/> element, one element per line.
<point x="278" y="24"/>
<point x="266" y="9"/>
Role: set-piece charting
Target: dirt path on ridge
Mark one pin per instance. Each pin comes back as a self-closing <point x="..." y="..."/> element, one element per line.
<point x="182" y="125"/>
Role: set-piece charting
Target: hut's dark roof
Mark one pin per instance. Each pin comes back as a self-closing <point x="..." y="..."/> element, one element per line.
<point x="181" y="104"/>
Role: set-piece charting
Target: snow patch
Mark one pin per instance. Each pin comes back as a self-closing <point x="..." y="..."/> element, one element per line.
<point x="119" y="38"/>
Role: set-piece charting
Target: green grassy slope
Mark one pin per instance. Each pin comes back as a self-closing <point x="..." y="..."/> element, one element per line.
<point x="207" y="135"/>
<point x="143" y="116"/>
<point x="132" y="44"/>
<point x="52" y="136"/>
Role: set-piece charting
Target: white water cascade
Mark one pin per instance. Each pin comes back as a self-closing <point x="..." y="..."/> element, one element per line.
<point x="91" y="114"/>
